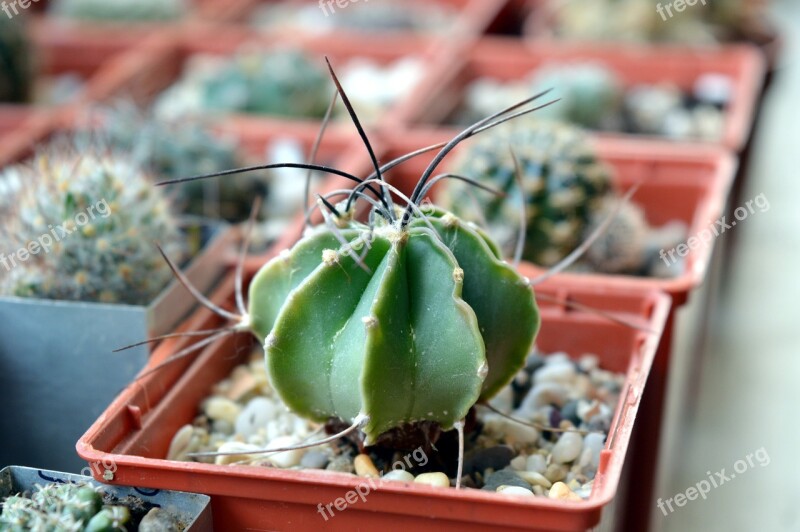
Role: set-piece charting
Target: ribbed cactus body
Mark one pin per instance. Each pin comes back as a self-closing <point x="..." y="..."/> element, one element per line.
<point x="432" y="322"/>
<point x="92" y="222"/>
<point x="16" y="62"/>
<point x="562" y="178"/>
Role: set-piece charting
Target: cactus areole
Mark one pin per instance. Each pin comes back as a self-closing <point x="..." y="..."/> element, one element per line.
<point x="395" y="323"/>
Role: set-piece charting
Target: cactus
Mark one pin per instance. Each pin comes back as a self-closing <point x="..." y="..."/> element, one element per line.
<point x="623" y="247"/>
<point x="563" y="181"/>
<point x="590" y="93"/>
<point x="170" y="148"/>
<point x="644" y="21"/>
<point x="57" y="507"/>
<point x="84" y="226"/>
<point x="280" y="82"/>
<point x="120" y="10"/>
<point x="16" y="62"/>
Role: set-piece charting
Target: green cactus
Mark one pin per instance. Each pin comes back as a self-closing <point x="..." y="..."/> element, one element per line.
<point x="82" y="227"/>
<point x="279" y="82"/>
<point x="563" y="181"/>
<point x="16" y="62"/>
<point x="590" y="94"/>
<point x="120" y="10"/>
<point x="57" y="507"/>
<point x="641" y="21"/>
<point x="171" y="148"/>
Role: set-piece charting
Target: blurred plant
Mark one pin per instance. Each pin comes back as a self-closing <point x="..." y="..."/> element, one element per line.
<point x="120" y="10"/>
<point x="280" y="82"/>
<point x="172" y="148"/>
<point x="16" y="62"/>
<point x="563" y="179"/>
<point x="641" y="21"/>
<point x="111" y="258"/>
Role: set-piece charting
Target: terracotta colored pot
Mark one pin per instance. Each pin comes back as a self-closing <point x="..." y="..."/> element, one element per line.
<point x="135" y="432"/>
<point x="504" y="59"/>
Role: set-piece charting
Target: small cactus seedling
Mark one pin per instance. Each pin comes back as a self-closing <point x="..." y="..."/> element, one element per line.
<point x="16" y="62"/>
<point x="563" y="182"/>
<point x="87" y="223"/>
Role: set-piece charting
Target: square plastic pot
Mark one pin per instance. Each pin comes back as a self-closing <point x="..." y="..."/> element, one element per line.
<point x="57" y="369"/>
<point x="134" y="434"/>
<point x="506" y="59"/>
<point x="192" y="510"/>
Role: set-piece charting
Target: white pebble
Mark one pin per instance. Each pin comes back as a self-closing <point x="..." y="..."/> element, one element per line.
<point x="519" y="462"/>
<point x="536" y="464"/>
<point x="398" y="475"/>
<point x="255" y="416"/>
<point x="243" y="450"/>
<point x="594" y="442"/>
<point x="514" y="490"/>
<point x="562" y="372"/>
<point x="567" y="448"/>
<point x="222" y="408"/>
<point x="542" y="394"/>
<point x="285" y="459"/>
<point x="439" y="480"/>
<point x="534" y="479"/>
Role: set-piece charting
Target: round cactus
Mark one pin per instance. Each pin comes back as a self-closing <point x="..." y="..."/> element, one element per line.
<point x="563" y="182"/>
<point x="424" y="323"/>
<point x="16" y="62"/>
<point x="622" y="248"/>
<point x="83" y="227"/>
<point x="280" y="82"/>
<point x="52" y="507"/>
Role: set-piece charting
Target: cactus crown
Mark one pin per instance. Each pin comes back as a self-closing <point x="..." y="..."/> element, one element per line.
<point x="563" y="184"/>
<point x="83" y="226"/>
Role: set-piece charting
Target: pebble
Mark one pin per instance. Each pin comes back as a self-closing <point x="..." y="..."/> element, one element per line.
<point x="341" y="463"/>
<point x="555" y="472"/>
<point x="285" y="459"/>
<point x="158" y="520"/>
<point x="433" y="479"/>
<point x="398" y="475"/>
<point x="567" y="448"/>
<point x="314" y="460"/>
<point x="180" y="443"/>
<point x="496" y="457"/>
<point x="543" y="394"/>
<point x="222" y="408"/>
<point x="243" y="383"/>
<point x="243" y="450"/>
<point x="560" y="372"/>
<point x="504" y="477"/>
<point x="514" y="433"/>
<point x="536" y="463"/>
<point x="365" y="467"/>
<point x="535" y="479"/>
<point x="594" y="442"/>
<point x="519" y="463"/>
<point x="562" y="492"/>
<point x="514" y="490"/>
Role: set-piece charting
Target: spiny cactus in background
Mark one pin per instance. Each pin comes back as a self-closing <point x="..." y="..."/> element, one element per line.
<point x="120" y="10"/>
<point x="62" y="507"/>
<point x="85" y="225"/>
<point x="590" y="93"/>
<point x="16" y="62"/>
<point x="622" y="248"/>
<point x="279" y="82"/>
<point x="172" y="148"/>
<point x="563" y="184"/>
<point x="644" y="21"/>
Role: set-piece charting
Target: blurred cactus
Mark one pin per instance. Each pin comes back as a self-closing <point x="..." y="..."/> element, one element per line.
<point x="646" y="21"/>
<point x="120" y="10"/>
<point x="172" y="148"/>
<point x="622" y="248"/>
<point x="54" y="507"/>
<point x="84" y="226"/>
<point x="563" y="184"/>
<point x="590" y="94"/>
<point x="16" y="62"/>
<point x="281" y="82"/>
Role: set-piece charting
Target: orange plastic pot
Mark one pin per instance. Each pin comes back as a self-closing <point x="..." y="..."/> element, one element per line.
<point x="134" y="434"/>
<point x="505" y="60"/>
